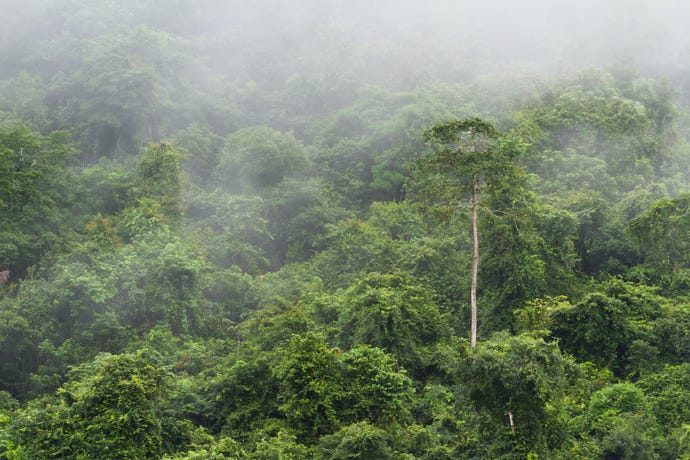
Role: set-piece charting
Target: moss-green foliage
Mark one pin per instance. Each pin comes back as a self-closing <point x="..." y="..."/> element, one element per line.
<point x="258" y="158"/>
<point x="158" y="177"/>
<point x="618" y="418"/>
<point x="359" y="440"/>
<point x="241" y="247"/>
<point x="391" y="312"/>
<point x="34" y="182"/>
<point x="107" y="410"/>
<point x="662" y="234"/>
<point x="523" y="380"/>
<point x="324" y="389"/>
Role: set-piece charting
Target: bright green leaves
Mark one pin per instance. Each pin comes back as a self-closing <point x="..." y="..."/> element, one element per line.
<point x="283" y="446"/>
<point x="392" y="312"/>
<point x="619" y="419"/>
<point x="156" y="193"/>
<point x="359" y="440"/>
<point x="353" y="247"/>
<point x="314" y="389"/>
<point x="117" y="402"/>
<point x="668" y="393"/>
<point x="310" y="386"/>
<point x="595" y="329"/>
<point x="375" y="390"/>
<point x="244" y="396"/>
<point x="98" y="300"/>
<point x="158" y="278"/>
<point x="107" y="411"/>
<point x="535" y="317"/>
<point x="7" y="406"/>
<point x="159" y="177"/>
<point x="518" y="383"/>
<point x="625" y="327"/>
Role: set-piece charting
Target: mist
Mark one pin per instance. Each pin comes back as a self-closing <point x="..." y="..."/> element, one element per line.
<point x="124" y="73"/>
<point x="460" y="34"/>
<point x="473" y="37"/>
<point x="247" y="229"/>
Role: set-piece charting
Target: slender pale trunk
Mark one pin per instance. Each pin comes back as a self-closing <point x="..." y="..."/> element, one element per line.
<point x="475" y="264"/>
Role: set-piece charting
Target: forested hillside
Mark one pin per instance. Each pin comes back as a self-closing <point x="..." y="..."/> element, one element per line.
<point x="275" y="232"/>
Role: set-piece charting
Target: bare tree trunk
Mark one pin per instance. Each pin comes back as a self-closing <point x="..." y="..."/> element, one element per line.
<point x="475" y="265"/>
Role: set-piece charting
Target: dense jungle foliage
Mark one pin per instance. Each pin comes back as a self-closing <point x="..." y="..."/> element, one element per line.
<point x="225" y="241"/>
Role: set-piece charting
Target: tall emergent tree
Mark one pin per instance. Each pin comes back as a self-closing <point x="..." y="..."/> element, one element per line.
<point x="468" y="158"/>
